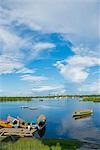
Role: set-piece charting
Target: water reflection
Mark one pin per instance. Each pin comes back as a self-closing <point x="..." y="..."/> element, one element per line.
<point x="82" y="117"/>
<point x="82" y="129"/>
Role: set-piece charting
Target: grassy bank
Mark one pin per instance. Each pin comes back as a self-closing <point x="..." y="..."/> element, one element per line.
<point x="36" y="144"/>
<point x="93" y="99"/>
<point x="15" y="99"/>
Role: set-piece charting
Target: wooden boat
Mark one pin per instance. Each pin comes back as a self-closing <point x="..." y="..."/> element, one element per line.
<point x="18" y="122"/>
<point x="82" y="112"/>
<point x="5" y="124"/>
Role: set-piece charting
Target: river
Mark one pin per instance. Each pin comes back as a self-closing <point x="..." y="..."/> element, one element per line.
<point x="60" y="123"/>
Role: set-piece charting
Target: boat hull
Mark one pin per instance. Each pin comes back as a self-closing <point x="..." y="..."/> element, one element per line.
<point x="82" y="113"/>
<point x="4" y="124"/>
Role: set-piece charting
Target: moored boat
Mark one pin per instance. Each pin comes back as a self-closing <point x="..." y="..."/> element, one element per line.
<point x="5" y="124"/>
<point x="83" y="112"/>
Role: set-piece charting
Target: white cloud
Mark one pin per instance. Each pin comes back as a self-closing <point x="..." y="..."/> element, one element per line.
<point x="25" y="70"/>
<point x="75" y="67"/>
<point x="86" y="51"/>
<point x="66" y="16"/>
<point x="93" y="87"/>
<point x="41" y="46"/>
<point x="38" y="48"/>
<point x="86" y="61"/>
<point x="49" y="88"/>
<point x="9" y="65"/>
<point x="9" y="39"/>
<point x="12" y="58"/>
<point x="33" y="78"/>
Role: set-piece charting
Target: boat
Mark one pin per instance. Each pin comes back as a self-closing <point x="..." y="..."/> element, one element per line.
<point x="23" y="107"/>
<point x="41" y="100"/>
<point x="18" y="122"/>
<point x="5" y="124"/>
<point x="33" y="108"/>
<point x="83" y="112"/>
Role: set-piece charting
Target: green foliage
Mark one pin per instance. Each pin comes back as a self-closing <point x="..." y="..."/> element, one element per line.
<point x="15" y="99"/>
<point x="93" y="99"/>
<point x="44" y="144"/>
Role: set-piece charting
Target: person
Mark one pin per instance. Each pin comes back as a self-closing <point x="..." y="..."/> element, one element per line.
<point x="15" y="123"/>
<point x="29" y="126"/>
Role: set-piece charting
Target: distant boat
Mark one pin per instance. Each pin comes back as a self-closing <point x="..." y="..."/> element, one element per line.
<point x="83" y="112"/>
<point x="33" y="108"/>
<point x="24" y="107"/>
<point x="41" y="100"/>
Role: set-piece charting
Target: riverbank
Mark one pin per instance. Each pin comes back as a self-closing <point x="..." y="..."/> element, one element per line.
<point x="93" y="99"/>
<point x="11" y="98"/>
<point x="38" y="144"/>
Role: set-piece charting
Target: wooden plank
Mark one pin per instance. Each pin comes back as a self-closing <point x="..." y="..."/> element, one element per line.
<point x="17" y="131"/>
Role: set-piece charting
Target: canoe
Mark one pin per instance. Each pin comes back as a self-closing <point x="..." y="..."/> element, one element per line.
<point x="83" y="112"/>
<point x="5" y="124"/>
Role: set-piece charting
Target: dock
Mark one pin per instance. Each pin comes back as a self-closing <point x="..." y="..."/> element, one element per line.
<point x="17" y="131"/>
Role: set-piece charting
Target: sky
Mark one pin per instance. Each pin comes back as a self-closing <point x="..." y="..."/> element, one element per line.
<point x="49" y="47"/>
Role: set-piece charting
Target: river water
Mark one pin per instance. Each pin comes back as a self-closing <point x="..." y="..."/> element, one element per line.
<point x="60" y="123"/>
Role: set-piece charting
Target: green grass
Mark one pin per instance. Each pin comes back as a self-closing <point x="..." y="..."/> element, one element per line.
<point x="93" y="99"/>
<point x="3" y="99"/>
<point x="38" y="144"/>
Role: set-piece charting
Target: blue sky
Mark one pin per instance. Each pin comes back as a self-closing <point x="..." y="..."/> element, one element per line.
<point x="49" y="47"/>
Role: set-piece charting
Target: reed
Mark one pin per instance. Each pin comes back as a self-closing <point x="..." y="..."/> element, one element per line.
<point x="93" y="99"/>
<point x="15" y="99"/>
<point x="36" y="144"/>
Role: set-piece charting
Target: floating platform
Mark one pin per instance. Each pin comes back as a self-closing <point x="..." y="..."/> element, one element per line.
<point x="17" y="131"/>
<point x="20" y="127"/>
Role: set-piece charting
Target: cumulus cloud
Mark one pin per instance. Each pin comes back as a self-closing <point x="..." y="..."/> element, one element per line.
<point x="72" y="17"/>
<point x="75" y="67"/>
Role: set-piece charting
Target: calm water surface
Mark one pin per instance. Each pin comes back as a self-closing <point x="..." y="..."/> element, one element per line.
<point x="60" y="123"/>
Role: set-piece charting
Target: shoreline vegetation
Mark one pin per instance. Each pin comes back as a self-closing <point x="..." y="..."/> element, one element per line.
<point x="39" y="144"/>
<point x="93" y="98"/>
